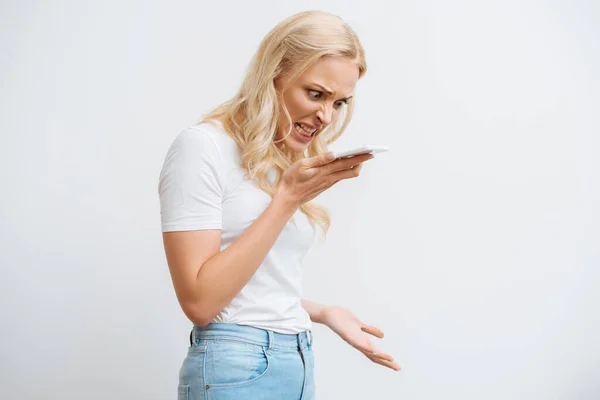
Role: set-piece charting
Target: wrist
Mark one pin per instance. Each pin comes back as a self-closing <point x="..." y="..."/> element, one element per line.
<point x="285" y="202"/>
<point x="324" y="314"/>
<point x="316" y="311"/>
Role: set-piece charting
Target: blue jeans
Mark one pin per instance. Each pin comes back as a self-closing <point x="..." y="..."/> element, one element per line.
<point x="230" y="361"/>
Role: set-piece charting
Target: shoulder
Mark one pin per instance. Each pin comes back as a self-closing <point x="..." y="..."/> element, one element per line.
<point x="196" y="137"/>
<point x="204" y="143"/>
<point x="214" y="131"/>
<point x="202" y="137"/>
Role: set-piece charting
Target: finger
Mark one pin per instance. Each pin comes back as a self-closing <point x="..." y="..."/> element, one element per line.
<point x="345" y="174"/>
<point x="386" y="363"/>
<point x="356" y="168"/>
<point x="371" y="350"/>
<point x="359" y="166"/>
<point x="373" y="330"/>
<point x="347" y="163"/>
<point x="375" y="352"/>
<point x="353" y="155"/>
<point x="319" y="160"/>
<point x="382" y="356"/>
<point x="391" y="364"/>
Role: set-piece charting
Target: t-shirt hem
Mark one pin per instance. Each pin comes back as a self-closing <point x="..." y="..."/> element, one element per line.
<point x="279" y="329"/>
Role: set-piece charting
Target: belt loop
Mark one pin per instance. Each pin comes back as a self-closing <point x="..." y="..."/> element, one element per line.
<point x="271" y="338"/>
<point x="309" y="336"/>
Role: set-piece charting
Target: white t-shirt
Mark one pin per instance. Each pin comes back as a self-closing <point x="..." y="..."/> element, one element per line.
<point x="202" y="186"/>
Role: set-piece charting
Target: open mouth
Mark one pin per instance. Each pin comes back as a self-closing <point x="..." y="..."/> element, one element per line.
<point x="304" y="130"/>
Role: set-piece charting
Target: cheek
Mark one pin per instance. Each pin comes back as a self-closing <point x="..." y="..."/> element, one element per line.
<point x="300" y="105"/>
<point x="336" y="114"/>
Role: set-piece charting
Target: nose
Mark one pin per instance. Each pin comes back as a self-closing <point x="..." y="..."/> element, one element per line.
<point x="325" y="114"/>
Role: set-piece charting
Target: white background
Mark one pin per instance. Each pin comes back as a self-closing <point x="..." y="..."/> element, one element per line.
<point x="473" y="243"/>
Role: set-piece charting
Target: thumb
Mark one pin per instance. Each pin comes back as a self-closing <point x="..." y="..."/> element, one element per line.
<point x="321" y="159"/>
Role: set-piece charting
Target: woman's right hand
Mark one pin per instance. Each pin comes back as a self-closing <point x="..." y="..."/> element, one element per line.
<point x="307" y="178"/>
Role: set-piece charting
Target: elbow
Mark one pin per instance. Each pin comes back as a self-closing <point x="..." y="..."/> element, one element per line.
<point x="199" y="315"/>
<point x="202" y="321"/>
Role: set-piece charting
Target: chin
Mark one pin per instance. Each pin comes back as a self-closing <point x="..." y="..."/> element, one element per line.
<point x="296" y="146"/>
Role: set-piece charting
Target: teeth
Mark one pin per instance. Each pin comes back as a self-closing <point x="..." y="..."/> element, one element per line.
<point x="305" y="131"/>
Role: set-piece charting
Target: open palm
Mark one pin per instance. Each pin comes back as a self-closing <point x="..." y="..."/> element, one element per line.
<point x="343" y="322"/>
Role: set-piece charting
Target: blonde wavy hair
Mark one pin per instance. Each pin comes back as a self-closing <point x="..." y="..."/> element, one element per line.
<point x="251" y="116"/>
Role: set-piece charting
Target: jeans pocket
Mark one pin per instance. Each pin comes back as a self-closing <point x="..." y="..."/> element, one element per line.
<point x="231" y="363"/>
<point x="183" y="392"/>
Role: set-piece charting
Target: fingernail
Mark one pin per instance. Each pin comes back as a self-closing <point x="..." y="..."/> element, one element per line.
<point x="331" y="156"/>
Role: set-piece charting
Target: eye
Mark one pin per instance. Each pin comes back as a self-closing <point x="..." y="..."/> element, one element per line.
<point x="314" y="94"/>
<point x="342" y="103"/>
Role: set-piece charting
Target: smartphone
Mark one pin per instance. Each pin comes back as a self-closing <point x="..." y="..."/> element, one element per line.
<point x="361" y="150"/>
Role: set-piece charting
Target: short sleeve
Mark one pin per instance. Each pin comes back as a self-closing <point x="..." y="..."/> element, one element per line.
<point x="190" y="185"/>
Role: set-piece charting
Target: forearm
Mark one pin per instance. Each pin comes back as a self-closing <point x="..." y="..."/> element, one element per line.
<point x="221" y="278"/>
<point x="314" y="310"/>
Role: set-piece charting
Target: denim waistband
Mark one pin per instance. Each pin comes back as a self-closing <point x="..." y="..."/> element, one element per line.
<point x="250" y="334"/>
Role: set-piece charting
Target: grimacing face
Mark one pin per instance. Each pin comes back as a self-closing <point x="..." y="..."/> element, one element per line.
<point x="315" y="100"/>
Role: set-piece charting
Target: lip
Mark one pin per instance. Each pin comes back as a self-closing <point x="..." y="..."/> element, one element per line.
<point x="307" y="125"/>
<point x="301" y="137"/>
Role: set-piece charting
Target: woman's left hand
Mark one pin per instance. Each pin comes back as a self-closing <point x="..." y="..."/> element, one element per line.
<point x="343" y="322"/>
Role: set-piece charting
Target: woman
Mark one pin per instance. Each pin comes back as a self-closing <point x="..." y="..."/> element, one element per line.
<point x="237" y="222"/>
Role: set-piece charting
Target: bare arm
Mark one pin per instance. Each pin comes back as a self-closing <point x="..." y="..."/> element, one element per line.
<point x="214" y="278"/>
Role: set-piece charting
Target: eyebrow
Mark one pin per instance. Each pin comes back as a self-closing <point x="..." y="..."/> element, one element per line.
<point x="329" y="92"/>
